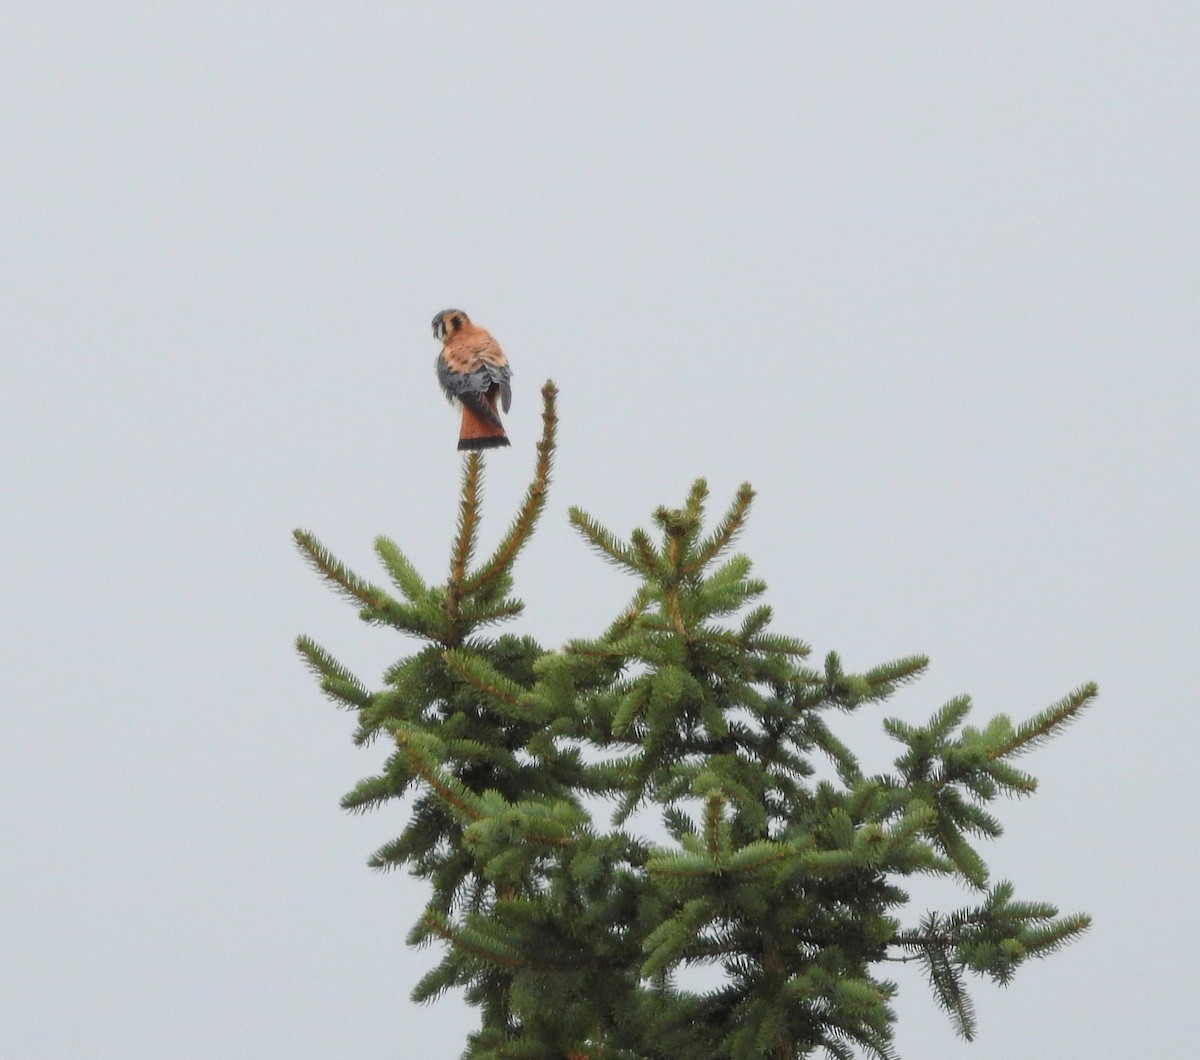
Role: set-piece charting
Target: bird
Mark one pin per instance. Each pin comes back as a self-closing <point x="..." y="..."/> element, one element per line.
<point x="474" y="372"/>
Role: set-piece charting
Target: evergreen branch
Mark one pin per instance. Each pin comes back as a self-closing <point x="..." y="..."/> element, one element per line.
<point x="777" y="644"/>
<point x="468" y="523"/>
<point x="674" y="612"/>
<point x="814" y="730"/>
<point x="374" y="791"/>
<point x="649" y="561"/>
<point x="623" y="625"/>
<point x="1041" y="942"/>
<point x="604" y="542"/>
<point x="336" y="681"/>
<point x="479" y="674"/>
<point x="480" y="940"/>
<point x="829" y="862"/>
<point x="841" y="689"/>
<point x="674" y="937"/>
<point x="884" y="679"/>
<point x="758" y="855"/>
<point x="754" y="623"/>
<point x="344" y="580"/>
<point x="494" y="953"/>
<point x="877" y="1042"/>
<point x="349" y="693"/>
<point x="834" y="1044"/>
<point x="498" y="612"/>
<point x="402" y="572"/>
<point x="451" y="792"/>
<point x="728" y="589"/>
<point x="947" y="983"/>
<point x="697" y="495"/>
<point x="533" y="504"/>
<point x="464" y="750"/>
<point x="978" y="820"/>
<point x="715" y="832"/>
<point x="434" y="983"/>
<point x="678" y="823"/>
<point x="1012" y="780"/>
<point x="966" y="859"/>
<point x="395" y="852"/>
<point x="513" y="827"/>
<point x="634" y="783"/>
<point x="632" y="704"/>
<point x="729" y="527"/>
<point x="948" y="718"/>
<point x="918" y="817"/>
<point x="1046" y="724"/>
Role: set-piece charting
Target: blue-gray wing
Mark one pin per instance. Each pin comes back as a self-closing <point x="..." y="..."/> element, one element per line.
<point x="472" y="388"/>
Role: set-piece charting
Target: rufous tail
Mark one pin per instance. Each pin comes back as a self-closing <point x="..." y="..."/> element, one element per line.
<point x="477" y="433"/>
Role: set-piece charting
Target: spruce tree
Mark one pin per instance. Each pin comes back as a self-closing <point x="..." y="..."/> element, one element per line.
<point x="565" y="918"/>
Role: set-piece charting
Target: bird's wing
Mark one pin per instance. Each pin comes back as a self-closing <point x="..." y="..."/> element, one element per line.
<point x="471" y="387"/>
<point x="501" y="376"/>
<point x="491" y="357"/>
<point x="469" y="367"/>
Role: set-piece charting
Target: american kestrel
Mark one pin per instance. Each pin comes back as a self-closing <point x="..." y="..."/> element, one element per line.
<point x="473" y="371"/>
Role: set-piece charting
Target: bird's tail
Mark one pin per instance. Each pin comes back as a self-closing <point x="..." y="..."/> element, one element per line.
<point x="479" y="433"/>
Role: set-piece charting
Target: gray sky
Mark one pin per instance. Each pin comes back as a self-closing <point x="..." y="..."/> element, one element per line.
<point x="925" y="274"/>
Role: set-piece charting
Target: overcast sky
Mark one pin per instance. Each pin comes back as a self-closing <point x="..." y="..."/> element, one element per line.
<point x="926" y="274"/>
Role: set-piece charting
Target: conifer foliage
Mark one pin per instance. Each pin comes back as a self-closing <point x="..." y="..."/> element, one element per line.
<point x="523" y="772"/>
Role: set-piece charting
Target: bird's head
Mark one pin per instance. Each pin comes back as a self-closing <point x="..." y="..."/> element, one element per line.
<point x="447" y="322"/>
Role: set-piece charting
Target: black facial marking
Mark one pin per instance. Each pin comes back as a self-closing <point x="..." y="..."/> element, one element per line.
<point x="449" y="321"/>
